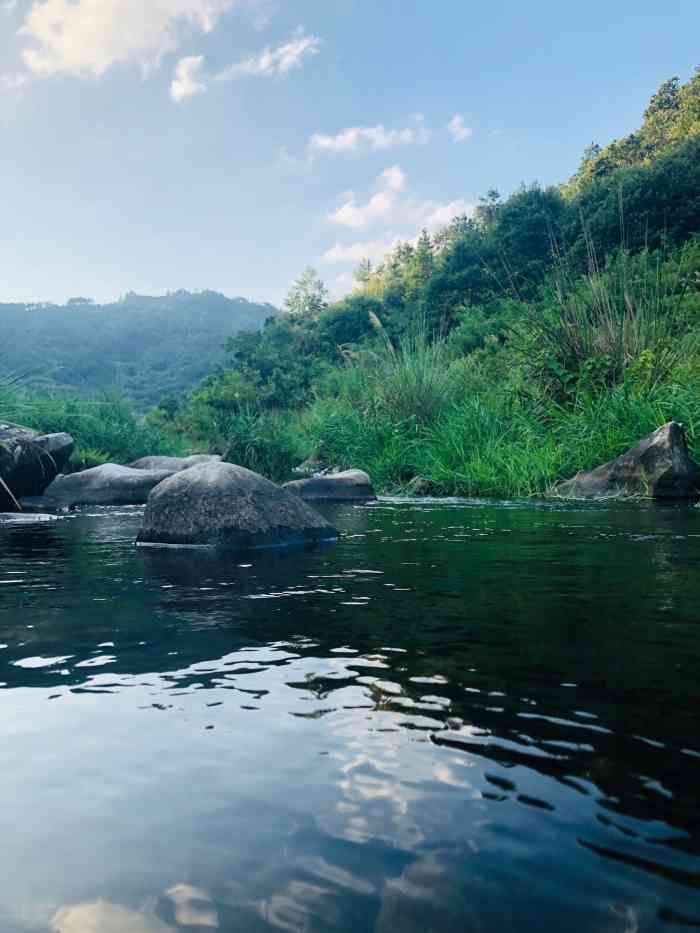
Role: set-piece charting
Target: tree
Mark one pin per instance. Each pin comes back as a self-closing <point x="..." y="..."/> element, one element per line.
<point x="308" y="296"/>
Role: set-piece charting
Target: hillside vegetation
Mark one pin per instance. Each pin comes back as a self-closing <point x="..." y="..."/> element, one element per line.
<point x="542" y="335"/>
<point x="142" y="347"/>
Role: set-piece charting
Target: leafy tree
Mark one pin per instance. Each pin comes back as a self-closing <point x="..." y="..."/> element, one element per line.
<point x="308" y="295"/>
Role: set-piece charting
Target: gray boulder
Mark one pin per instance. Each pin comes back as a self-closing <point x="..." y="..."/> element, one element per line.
<point x="657" y="467"/>
<point x="348" y="486"/>
<point x="108" y="484"/>
<point x="60" y="446"/>
<point x="26" y="467"/>
<point x="224" y="505"/>
<point x="173" y="464"/>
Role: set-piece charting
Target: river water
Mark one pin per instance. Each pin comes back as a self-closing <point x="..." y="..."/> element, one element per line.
<point x="464" y="716"/>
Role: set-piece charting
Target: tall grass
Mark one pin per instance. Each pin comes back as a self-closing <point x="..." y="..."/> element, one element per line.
<point x="104" y="429"/>
<point x="497" y="447"/>
<point x="587" y="331"/>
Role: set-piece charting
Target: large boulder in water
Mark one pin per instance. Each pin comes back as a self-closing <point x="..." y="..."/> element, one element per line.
<point x="26" y="467"/>
<point x="108" y="484"/>
<point x="60" y="446"/>
<point x="225" y="505"/>
<point x="657" y="467"/>
<point x="174" y="464"/>
<point x="348" y="486"/>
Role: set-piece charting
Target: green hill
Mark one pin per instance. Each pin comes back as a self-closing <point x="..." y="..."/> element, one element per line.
<point x="141" y="346"/>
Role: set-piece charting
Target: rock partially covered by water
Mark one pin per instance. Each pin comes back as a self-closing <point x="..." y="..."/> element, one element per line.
<point x="26" y="467"/>
<point x="173" y="464"/>
<point x="349" y="486"/>
<point x="108" y="484"/>
<point x="225" y="505"/>
<point x="657" y="467"/>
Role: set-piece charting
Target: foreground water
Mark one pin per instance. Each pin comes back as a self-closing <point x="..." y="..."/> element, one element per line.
<point x="462" y="717"/>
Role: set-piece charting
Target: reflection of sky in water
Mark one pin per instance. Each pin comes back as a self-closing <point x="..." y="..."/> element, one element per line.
<point x="458" y="718"/>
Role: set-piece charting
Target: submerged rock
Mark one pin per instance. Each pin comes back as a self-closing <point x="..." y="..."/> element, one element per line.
<point x="226" y="505"/>
<point x="108" y="484"/>
<point x="26" y="466"/>
<point x="657" y="467"/>
<point x="22" y="518"/>
<point x="173" y="464"/>
<point x="349" y="486"/>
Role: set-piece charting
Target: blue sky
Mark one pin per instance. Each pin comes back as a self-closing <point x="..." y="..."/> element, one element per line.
<point x="151" y="145"/>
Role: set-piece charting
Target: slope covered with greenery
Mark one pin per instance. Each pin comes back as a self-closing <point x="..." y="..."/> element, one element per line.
<point x="542" y="335"/>
<point x="141" y="347"/>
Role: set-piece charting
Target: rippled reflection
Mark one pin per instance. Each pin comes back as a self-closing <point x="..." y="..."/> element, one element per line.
<point x="461" y="717"/>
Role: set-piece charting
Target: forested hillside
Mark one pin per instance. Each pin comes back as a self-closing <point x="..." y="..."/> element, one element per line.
<point x="142" y="347"/>
<point x="522" y="343"/>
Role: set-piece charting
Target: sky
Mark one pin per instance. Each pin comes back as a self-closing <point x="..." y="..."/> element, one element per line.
<point x="151" y="145"/>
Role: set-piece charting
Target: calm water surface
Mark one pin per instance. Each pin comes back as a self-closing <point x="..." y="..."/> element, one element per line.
<point x="462" y="717"/>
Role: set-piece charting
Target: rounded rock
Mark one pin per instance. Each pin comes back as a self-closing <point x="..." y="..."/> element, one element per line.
<point x="224" y="505"/>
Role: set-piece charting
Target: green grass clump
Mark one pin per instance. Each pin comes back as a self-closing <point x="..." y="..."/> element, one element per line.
<point x="104" y="429"/>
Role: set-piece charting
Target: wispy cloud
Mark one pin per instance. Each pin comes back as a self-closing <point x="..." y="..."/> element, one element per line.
<point x="273" y="62"/>
<point x="378" y="138"/>
<point x="459" y="131"/>
<point x="187" y="81"/>
<point x="191" y="79"/>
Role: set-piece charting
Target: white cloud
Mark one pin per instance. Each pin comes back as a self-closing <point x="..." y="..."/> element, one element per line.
<point x="188" y="78"/>
<point x="273" y="62"/>
<point x="376" y="138"/>
<point x="459" y="131"/>
<point x="394" y="178"/>
<point x="388" y="207"/>
<point x="375" y="250"/>
<point x="87" y="37"/>
<point x="392" y="210"/>
<point x="440" y="215"/>
<point x="13" y="82"/>
<point x="380" y="206"/>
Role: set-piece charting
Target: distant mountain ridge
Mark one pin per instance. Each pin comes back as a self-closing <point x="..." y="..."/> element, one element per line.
<point x="145" y="347"/>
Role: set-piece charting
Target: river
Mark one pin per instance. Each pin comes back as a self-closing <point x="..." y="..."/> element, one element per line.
<point x="463" y="716"/>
